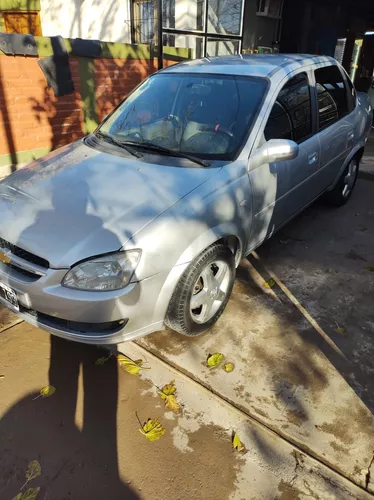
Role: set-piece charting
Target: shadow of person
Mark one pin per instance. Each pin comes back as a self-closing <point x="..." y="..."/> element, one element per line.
<point x="73" y="434"/>
<point x="68" y="229"/>
<point x="95" y="413"/>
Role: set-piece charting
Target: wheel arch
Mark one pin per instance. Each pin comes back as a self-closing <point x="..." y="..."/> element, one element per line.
<point x="226" y="235"/>
<point x="357" y="151"/>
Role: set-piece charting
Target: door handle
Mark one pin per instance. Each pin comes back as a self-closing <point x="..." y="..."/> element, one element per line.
<point x="312" y="159"/>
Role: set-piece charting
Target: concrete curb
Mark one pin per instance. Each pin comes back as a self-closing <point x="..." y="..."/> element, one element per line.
<point x="369" y="176"/>
<point x="367" y="168"/>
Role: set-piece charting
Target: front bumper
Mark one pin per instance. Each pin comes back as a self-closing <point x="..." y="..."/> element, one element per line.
<point x="91" y="317"/>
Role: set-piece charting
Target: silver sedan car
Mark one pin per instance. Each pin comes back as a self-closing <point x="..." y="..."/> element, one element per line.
<point x="142" y="223"/>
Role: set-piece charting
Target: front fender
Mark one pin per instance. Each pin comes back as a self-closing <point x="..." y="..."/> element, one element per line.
<point x="193" y="250"/>
<point x="209" y="237"/>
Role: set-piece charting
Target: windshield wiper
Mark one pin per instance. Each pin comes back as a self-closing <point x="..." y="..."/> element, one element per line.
<point x="170" y="152"/>
<point x="111" y="140"/>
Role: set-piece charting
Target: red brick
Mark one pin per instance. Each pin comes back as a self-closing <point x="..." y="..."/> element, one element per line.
<point x="37" y="118"/>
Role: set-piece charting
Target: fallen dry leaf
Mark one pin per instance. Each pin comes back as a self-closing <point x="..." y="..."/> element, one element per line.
<point x="33" y="470"/>
<point x="172" y="404"/>
<point x="229" y="367"/>
<point x="214" y="359"/>
<point x="340" y="330"/>
<point x="1" y="377"/>
<point x="169" y="389"/>
<point x="101" y="361"/>
<point x="30" y="494"/>
<point x="47" y="391"/>
<point x="269" y="283"/>
<point x="236" y="443"/>
<point x="152" y="429"/>
<point x="129" y="365"/>
<point x="167" y="393"/>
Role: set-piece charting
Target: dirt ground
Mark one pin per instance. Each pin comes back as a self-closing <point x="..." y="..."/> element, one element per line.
<point x="301" y="395"/>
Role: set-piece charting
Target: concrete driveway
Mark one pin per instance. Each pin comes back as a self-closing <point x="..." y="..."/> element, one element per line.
<point x="301" y="395"/>
<point x="304" y="349"/>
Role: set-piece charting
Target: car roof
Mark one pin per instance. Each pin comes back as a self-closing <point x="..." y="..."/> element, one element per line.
<point x="263" y="65"/>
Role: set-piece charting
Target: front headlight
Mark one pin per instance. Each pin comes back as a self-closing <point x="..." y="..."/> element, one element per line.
<point x="109" y="272"/>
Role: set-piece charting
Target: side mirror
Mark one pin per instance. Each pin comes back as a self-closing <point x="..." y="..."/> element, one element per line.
<point x="274" y="150"/>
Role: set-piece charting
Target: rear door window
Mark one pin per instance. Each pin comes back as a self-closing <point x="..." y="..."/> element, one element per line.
<point x="332" y="96"/>
<point x="290" y="117"/>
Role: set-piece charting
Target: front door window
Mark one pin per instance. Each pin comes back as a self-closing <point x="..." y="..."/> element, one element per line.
<point x="291" y="116"/>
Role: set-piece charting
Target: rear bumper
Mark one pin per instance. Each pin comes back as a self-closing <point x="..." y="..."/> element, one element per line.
<point x="92" y="317"/>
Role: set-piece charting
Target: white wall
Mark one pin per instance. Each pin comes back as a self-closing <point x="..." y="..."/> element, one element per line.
<point x="185" y="14"/>
<point x="105" y="20"/>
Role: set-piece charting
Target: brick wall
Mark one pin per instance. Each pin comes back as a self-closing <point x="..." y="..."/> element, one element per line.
<point x="35" y="118"/>
<point x="115" y="78"/>
<point x="34" y="121"/>
<point x="30" y="113"/>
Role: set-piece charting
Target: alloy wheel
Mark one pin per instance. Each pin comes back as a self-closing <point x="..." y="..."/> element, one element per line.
<point x="210" y="291"/>
<point x="350" y="178"/>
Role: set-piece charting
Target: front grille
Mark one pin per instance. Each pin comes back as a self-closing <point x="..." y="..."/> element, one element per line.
<point x="22" y="272"/>
<point x="75" y="326"/>
<point x="24" y="254"/>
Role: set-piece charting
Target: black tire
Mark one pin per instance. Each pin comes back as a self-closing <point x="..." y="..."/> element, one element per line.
<point x="179" y="316"/>
<point x="337" y="196"/>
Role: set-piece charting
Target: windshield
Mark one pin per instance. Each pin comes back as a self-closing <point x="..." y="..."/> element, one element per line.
<point x="203" y="115"/>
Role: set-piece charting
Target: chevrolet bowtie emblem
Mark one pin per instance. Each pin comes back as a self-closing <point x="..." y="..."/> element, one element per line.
<point x="4" y="258"/>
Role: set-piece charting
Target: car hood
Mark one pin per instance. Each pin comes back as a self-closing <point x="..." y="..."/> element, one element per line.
<point x="78" y="202"/>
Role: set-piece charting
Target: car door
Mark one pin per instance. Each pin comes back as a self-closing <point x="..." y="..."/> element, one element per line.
<point x="336" y="132"/>
<point x="281" y="189"/>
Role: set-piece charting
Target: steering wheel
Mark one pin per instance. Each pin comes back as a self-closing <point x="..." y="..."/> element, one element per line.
<point x="176" y="121"/>
<point x="217" y="129"/>
<point x="177" y="124"/>
<point x="136" y="136"/>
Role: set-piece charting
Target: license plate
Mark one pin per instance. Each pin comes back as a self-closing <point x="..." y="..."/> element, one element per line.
<point x="9" y="296"/>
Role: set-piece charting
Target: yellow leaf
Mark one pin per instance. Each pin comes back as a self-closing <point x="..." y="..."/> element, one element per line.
<point x="47" y="391"/>
<point x="269" y="283"/>
<point x="1" y="377"/>
<point x="152" y="429"/>
<point x="169" y="389"/>
<point x="129" y="365"/>
<point x="172" y="404"/>
<point x="101" y="361"/>
<point x="214" y="359"/>
<point x="236" y="443"/>
<point x="229" y="367"/>
<point x="30" y="494"/>
<point x="33" y="470"/>
<point x="167" y="393"/>
<point x="340" y="330"/>
<point x="370" y="268"/>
